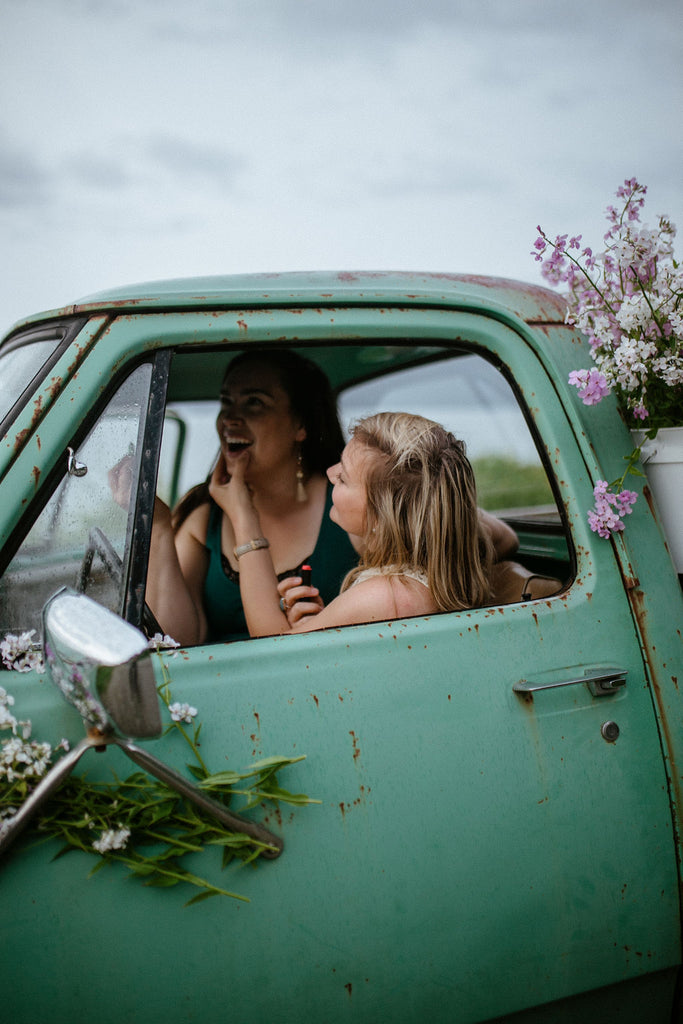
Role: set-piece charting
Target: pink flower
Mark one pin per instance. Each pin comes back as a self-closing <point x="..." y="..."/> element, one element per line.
<point x="605" y="518"/>
<point x="640" y="412"/>
<point x="592" y="385"/>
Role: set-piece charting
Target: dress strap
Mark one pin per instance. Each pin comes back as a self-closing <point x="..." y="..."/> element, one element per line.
<point x="392" y="570"/>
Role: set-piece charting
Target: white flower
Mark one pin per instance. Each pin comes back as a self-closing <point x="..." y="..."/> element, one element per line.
<point x="5" y="817"/>
<point x="22" y="760"/>
<point x="182" y="712"/>
<point x="17" y="651"/>
<point x="158" y="641"/>
<point x="7" y="721"/>
<point x="112" y="839"/>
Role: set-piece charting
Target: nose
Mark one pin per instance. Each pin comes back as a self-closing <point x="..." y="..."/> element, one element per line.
<point x="231" y="415"/>
<point x="333" y="472"/>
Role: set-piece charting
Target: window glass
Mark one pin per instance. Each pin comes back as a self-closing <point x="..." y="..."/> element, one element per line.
<point x="189" y="448"/>
<point x="18" y="367"/>
<point x="81" y="537"/>
<point x="471" y="398"/>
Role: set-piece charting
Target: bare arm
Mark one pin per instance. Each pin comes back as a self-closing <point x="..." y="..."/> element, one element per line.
<point x="367" y="602"/>
<point x="175" y="577"/>
<point x="504" y="539"/>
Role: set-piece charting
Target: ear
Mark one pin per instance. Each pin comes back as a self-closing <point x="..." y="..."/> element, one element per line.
<point x="300" y="435"/>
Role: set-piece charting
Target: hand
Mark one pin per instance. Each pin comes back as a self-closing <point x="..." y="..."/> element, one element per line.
<point x="231" y="493"/>
<point x="120" y="479"/>
<point x="298" y="602"/>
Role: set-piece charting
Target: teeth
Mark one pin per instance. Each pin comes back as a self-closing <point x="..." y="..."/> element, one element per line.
<point x="236" y="444"/>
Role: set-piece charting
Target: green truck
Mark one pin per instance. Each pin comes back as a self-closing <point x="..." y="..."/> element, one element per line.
<point x="497" y="830"/>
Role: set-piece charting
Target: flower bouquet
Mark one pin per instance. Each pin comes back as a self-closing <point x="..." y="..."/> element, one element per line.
<point x="628" y="300"/>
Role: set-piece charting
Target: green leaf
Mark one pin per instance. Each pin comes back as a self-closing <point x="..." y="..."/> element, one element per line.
<point x="200" y="897"/>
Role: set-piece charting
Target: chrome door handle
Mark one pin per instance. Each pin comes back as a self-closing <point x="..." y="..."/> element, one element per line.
<point x="601" y="680"/>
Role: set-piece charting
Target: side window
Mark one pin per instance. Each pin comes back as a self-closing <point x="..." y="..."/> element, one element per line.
<point x="471" y="398"/>
<point x="82" y="536"/>
<point x="189" y="447"/>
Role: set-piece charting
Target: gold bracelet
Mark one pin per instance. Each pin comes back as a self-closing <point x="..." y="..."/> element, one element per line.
<point x="251" y="545"/>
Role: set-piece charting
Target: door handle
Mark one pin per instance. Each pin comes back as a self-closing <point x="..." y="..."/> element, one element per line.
<point x="601" y="680"/>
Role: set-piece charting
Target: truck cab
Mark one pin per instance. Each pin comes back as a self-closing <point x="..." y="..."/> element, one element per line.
<point x="497" y="835"/>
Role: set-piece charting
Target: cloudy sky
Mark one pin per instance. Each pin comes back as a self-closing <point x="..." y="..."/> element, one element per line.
<point x="143" y="139"/>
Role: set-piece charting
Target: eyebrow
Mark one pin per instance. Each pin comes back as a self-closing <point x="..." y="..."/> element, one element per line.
<point x="248" y="391"/>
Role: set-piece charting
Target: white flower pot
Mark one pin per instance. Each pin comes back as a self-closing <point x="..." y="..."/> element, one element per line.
<point x="662" y="460"/>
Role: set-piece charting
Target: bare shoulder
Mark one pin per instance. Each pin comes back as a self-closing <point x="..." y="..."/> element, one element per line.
<point x="378" y="599"/>
<point x="196" y="524"/>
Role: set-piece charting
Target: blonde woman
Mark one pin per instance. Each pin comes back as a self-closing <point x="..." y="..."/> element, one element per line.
<point x="405" y="491"/>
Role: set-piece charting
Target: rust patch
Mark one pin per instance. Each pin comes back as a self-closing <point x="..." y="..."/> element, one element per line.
<point x="647" y="494"/>
<point x="348" y="986"/>
<point x="637" y="599"/>
<point x="354" y="741"/>
<point x="258" y="720"/>
<point x="38" y="409"/>
<point x="317" y="703"/>
<point x="36" y="476"/>
<point x="38" y="442"/>
<point x="242" y="325"/>
<point x="20" y="439"/>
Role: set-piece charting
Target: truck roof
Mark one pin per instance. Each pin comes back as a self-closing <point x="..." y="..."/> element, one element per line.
<point x="531" y="303"/>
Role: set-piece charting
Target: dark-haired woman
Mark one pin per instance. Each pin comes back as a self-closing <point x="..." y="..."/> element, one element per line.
<point x="278" y="415"/>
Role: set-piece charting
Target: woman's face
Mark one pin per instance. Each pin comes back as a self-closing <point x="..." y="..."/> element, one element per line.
<point x="256" y="418"/>
<point x="349" y="501"/>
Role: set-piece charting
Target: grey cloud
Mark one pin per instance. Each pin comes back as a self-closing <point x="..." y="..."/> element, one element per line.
<point x="190" y="160"/>
<point x="359" y="23"/>
<point x="97" y="173"/>
<point x="439" y="178"/>
<point x="23" y="181"/>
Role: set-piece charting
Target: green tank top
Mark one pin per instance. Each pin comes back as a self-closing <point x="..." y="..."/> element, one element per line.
<point x="331" y="559"/>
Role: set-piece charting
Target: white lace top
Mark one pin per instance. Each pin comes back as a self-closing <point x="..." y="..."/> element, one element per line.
<point x="391" y="570"/>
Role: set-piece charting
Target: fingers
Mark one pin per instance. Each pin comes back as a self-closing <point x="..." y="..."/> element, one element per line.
<point x="219" y="474"/>
<point x="297" y="601"/>
<point x="303" y="610"/>
<point x="120" y="479"/>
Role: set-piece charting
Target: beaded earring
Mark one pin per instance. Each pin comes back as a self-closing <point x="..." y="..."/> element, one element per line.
<point x="300" y="487"/>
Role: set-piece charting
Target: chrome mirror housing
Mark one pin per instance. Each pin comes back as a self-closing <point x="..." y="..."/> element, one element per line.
<point x="101" y="665"/>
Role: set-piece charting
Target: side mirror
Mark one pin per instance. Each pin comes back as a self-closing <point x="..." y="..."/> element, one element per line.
<point x="101" y="665"/>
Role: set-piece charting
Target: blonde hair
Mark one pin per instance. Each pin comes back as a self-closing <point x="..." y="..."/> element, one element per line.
<point x="422" y="509"/>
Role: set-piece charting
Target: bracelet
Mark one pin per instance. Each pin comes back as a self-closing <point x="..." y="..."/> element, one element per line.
<point x="251" y="545"/>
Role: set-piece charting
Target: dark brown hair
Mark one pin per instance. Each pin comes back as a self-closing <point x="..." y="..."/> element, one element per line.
<point x="312" y="401"/>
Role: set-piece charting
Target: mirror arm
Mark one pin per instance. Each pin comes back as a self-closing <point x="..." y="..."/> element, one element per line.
<point x="14" y="826"/>
<point x="191" y="792"/>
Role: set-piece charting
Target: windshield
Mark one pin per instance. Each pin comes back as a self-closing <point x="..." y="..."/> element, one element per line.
<point x="25" y="360"/>
<point x="17" y="370"/>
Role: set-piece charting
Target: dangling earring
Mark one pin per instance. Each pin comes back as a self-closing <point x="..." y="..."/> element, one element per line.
<point x="300" y="488"/>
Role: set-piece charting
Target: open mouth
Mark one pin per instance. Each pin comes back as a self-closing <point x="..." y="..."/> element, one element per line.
<point x="237" y="445"/>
